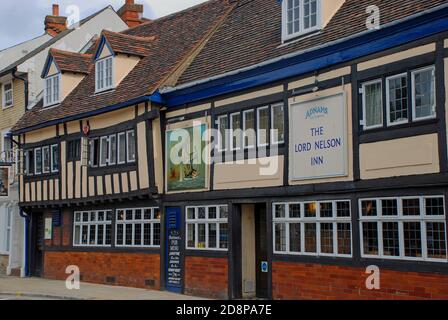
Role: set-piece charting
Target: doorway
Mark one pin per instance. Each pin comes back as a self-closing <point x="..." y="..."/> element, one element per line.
<point x="37" y="245"/>
<point x="254" y="252"/>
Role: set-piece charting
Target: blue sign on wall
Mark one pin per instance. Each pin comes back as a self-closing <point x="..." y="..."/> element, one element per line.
<point x="173" y="265"/>
<point x="264" y="266"/>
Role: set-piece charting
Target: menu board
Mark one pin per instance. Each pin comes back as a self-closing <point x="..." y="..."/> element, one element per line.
<point x="174" y="270"/>
<point x="174" y="262"/>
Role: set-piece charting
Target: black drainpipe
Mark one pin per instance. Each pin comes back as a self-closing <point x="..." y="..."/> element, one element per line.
<point x="25" y="81"/>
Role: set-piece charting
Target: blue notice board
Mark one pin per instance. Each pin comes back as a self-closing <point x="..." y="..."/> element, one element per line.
<point x="173" y="265"/>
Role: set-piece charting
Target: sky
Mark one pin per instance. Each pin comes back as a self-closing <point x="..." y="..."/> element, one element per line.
<point x="21" y="20"/>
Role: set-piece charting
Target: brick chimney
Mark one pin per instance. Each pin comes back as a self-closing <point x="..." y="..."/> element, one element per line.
<point x="131" y="13"/>
<point x="55" y="24"/>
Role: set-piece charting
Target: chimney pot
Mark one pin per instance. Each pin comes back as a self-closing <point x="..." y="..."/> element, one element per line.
<point x="54" y="23"/>
<point x="131" y="13"/>
<point x="56" y="10"/>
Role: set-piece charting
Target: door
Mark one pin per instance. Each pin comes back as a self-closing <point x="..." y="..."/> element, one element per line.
<point x="254" y="252"/>
<point x="37" y="244"/>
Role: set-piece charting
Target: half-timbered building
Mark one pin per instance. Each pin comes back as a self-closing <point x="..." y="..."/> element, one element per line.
<point x="328" y="162"/>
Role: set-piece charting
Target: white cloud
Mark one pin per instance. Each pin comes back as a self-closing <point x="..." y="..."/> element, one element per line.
<point x="21" y="20"/>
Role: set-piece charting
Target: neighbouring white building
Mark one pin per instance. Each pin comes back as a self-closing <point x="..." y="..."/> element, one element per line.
<point x="21" y="88"/>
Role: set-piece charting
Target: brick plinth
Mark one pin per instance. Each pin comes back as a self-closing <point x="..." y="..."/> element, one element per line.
<point x="294" y="281"/>
<point x="206" y="277"/>
<point x="137" y="270"/>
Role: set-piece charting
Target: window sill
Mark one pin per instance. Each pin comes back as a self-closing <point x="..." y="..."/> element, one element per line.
<point x="211" y="253"/>
<point x="96" y="171"/>
<point x="42" y="176"/>
<point x="7" y="107"/>
<point x="404" y="130"/>
<point x="286" y="40"/>
<point x="50" y="106"/>
<point x="104" y="91"/>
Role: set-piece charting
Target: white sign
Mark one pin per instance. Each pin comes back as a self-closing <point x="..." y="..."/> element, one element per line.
<point x="48" y="228"/>
<point x="318" y="138"/>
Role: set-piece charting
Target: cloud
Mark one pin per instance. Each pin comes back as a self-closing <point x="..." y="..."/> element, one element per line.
<point x="21" y="20"/>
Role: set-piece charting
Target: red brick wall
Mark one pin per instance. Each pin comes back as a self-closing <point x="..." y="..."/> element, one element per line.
<point x="128" y="269"/>
<point x="67" y="228"/>
<point x="206" y="277"/>
<point x="62" y="236"/>
<point x="294" y="281"/>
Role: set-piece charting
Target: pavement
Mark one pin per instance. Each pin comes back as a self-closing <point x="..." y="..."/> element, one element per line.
<point x="12" y="288"/>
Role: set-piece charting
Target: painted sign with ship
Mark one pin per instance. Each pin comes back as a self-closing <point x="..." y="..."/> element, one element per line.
<point x="187" y="145"/>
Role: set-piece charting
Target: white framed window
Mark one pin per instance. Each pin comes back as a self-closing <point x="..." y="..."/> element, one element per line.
<point x="122" y="148"/>
<point x="235" y="131"/>
<point x="223" y="127"/>
<point x="27" y="160"/>
<point x="8" y="95"/>
<point x="300" y="17"/>
<point x="131" y="150"/>
<point x="94" y="152"/>
<point x="104" y="150"/>
<point x="52" y="90"/>
<point x="397" y="99"/>
<point x="263" y="126"/>
<point x="278" y="124"/>
<point x="207" y="227"/>
<point x="313" y="228"/>
<point x="7" y="150"/>
<point x="249" y="129"/>
<point x="92" y="228"/>
<point x="423" y="93"/>
<point x="38" y="161"/>
<point x="372" y="104"/>
<point x="112" y="150"/>
<point x="104" y="74"/>
<point x="405" y="228"/>
<point x="54" y="158"/>
<point x="139" y="227"/>
<point x="46" y="159"/>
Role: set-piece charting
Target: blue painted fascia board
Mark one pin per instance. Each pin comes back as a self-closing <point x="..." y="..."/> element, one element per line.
<point x="103" y="43"/>
<point x="156" y="98"/>
<point x="354" y="48"/>
<point x="47" y="66"/>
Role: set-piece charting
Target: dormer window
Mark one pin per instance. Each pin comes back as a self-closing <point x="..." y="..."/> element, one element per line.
<point x="300" y="17"/>
<point x="104" y="74"/>
<point x="52" y="90"/>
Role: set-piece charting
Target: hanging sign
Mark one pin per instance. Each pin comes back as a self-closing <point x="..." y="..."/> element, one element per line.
<point x="318" y="138"/>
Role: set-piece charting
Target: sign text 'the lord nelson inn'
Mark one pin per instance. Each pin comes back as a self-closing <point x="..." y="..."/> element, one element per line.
<point x="318" y="141"/>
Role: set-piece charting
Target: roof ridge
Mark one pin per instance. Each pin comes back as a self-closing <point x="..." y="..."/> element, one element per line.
<point x="129" y="36"/>
<point x="87" y="55"/>
<point x="200" y="45"/>
<point x="171" y="15"/>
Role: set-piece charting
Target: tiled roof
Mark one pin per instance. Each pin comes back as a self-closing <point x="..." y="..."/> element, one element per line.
<point x="129" y="44"/>
<point x="71" y="61"/>
<point x="252" y="33"/>
<point x="249" y="34"/>
<point x="176" y="36"/>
